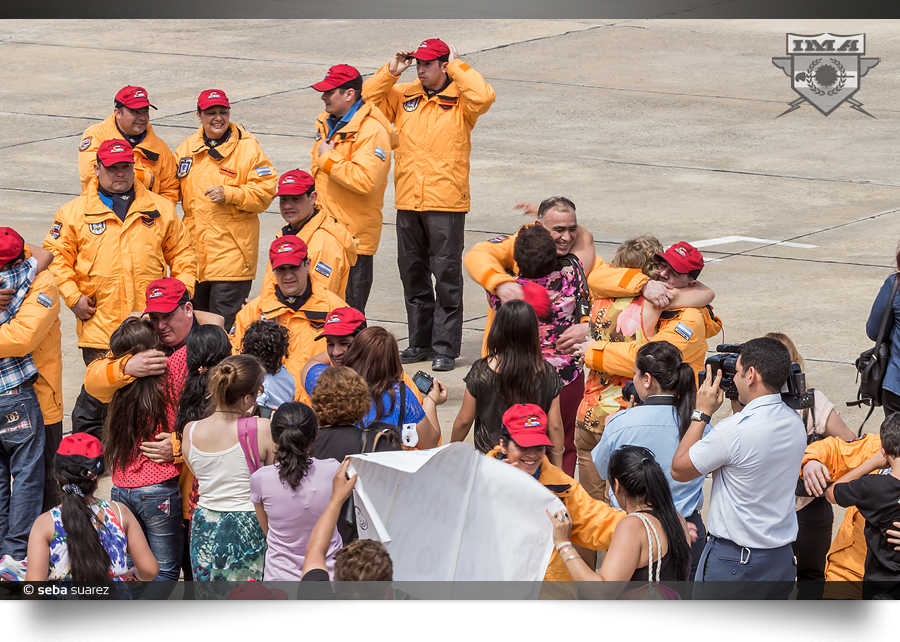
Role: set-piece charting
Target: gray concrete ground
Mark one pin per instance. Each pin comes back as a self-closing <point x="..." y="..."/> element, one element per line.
<point x="663" y="127"/>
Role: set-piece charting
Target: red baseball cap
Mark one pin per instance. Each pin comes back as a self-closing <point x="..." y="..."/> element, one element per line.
<point x="343" y="322"/>
<point x="287" y="250"/>
<point x="536" y="296"/>
<point x="211" y="98"/>
<point x="164" y="295"/>
<point x="79" y="456"/>
<point x="115" y="150"/>
<point x="11" y="245"/>
<point x="431" y="49"/>
<point x="684" y="257"/>
<point x="335" y="77"/>
<point x="527" y="425"/>
<point x="295" y="183"/>
<point x="133" y="97"/>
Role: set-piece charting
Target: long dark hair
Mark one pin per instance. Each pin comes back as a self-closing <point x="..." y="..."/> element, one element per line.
<point x="375" y="355"/>
<point x="88" y="560"/>
<point x="642" y="479"/>
<point x="294" y="428"/>
<point x="137" y="410"/>
<point x="515" y="343"/>
<point x="206" y="346"/>
<point x="662" y="361"/>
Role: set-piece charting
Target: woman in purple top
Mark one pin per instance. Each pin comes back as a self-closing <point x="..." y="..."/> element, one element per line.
<point x="290" y="495"/>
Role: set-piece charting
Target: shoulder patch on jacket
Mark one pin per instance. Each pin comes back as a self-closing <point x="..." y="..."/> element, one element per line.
<point x="410" y="105"/>
<point x="323" y="268"/>
<point x="44" y="300"/>
<point x="85" y="143"/>
<point x="380" y="153"/>
<point x="318" y="135"/>
<point x="97" y="228"/>
<point x="55" y="230"/>
<point x="498" y="239"/>
<point x="184" y="166"/>
<point x="264" y="170"/>
<point x="684" y="331"/>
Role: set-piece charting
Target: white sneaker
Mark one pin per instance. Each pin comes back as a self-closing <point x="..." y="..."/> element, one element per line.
<point x="11" y="569"/>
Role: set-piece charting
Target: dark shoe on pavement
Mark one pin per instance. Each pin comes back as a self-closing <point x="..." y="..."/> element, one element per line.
<point x="414" y="355"/>
<point x="443" y="363"/>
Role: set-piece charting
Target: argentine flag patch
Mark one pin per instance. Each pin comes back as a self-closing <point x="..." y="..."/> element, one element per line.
<point x="265" y="170"/>
<point x="45" y="300"/>
<point x="684" y="331"/>
<point x="323" y="268"/>
<point x="380" y="153"/>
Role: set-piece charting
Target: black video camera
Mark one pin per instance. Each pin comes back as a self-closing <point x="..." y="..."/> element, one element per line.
<point x="797" y="396"/>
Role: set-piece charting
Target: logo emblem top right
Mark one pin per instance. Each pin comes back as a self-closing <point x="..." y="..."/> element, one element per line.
<point x="825" y="70"/>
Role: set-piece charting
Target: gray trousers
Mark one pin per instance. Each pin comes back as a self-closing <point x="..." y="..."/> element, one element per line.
<point x="430" y="244"/>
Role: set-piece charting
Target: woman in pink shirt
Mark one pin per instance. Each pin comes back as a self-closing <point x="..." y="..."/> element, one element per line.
<point x="290" y="495"/>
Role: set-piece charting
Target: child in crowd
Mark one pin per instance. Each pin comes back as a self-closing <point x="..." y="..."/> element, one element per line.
<point x="86" y="539"/>
<point x="268" y="342"/>
<point x="877" y="496"/>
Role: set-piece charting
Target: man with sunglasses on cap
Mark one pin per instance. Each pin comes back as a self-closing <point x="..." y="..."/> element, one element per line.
<point x="154" y="165"/>
<point x="685" y="328"/>
<point x="108" y="244"/>
<point x="226" y="182"/>
<point x="297" y="302"/>
<point x="434" y="117"/>
<point x="351" y="159"/>
<point x="331" y="248"/>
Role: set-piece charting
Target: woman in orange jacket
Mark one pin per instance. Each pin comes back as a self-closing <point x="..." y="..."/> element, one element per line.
<point x="226" y="181"/>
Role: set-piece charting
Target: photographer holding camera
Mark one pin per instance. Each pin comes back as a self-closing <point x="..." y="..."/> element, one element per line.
<point x="754" y="456"/>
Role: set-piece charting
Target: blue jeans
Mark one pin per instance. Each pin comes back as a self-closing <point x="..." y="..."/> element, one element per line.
<point x="22" y="457"/>
<point x="728" y="571"/>
<point x="158" y="511"/>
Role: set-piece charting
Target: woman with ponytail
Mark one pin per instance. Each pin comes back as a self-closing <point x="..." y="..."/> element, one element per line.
<point x="653" y="538"/>
<point x="666" y="388"/>
<point x="222" y="451"/>
<point x="291" y="495"/>
<point x="86" y="539"/>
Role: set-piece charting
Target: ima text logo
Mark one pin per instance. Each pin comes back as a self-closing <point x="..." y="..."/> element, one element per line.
<point x="825" y="70"/>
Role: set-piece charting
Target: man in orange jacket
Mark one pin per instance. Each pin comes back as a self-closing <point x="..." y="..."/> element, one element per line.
<point x="108" y="245"/>
<point x="297" y="302"/>
<point x="351" y="159"/>
<point x="434" y="117"/>
<point x="154" y="165"/>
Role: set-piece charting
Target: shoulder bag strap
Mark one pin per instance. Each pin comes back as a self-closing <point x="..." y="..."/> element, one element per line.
<point x="650" y="567"/>
<point x="247" y="438"/>
<point x="402" y="415"/>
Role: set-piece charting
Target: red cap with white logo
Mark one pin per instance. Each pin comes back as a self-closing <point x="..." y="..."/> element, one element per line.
<point x="527" y="425"/>
<point x="164" y="295"/>
<point x="335" y="77"/>
<point x="115" y="151"/>
<point x="343" y="322"/>
<point x="431" y="49"/>
<point x="211" y="98"/>
<point x="684" y="258"/>
<point x="287" y="250"/>
<point x="133" y="97"/>
<point x="295" y="183"/>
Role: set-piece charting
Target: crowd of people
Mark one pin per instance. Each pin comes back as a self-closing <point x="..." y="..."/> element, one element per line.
<point x="226" y="423"/>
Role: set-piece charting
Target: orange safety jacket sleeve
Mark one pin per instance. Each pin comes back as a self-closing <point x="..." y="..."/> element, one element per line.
<point x="379" y="89"/>
<point x="608" y="282"/>
<point x="479" y="96"/>
<point x="618" y="358"/>
<point x="104" y="376"/>
<point x="363" y="170"/>
<point x="257" y="193"/>
<point x="593" y="521"/>
<point x="22" y="334"/>
<point x="839" y="456"/>
<point x="489" y="262"/>
<point x="65" y="249"/>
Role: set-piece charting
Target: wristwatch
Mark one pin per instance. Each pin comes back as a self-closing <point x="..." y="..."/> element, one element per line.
<point x="698" y="415"/>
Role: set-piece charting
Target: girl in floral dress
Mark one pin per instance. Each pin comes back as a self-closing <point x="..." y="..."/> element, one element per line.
<point x="86" y="539"/>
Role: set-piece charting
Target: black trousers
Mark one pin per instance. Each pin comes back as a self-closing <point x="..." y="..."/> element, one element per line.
<point x="430" y="244"/>
<point x="89" y="413"/>
<point x="359" y="282"/>
<point x="53" y="435"/>
<point x="814" y="521"/>
<point x="890" y="402"/>
<point x="698" y="546"/>
<point x="222" y="297"/>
